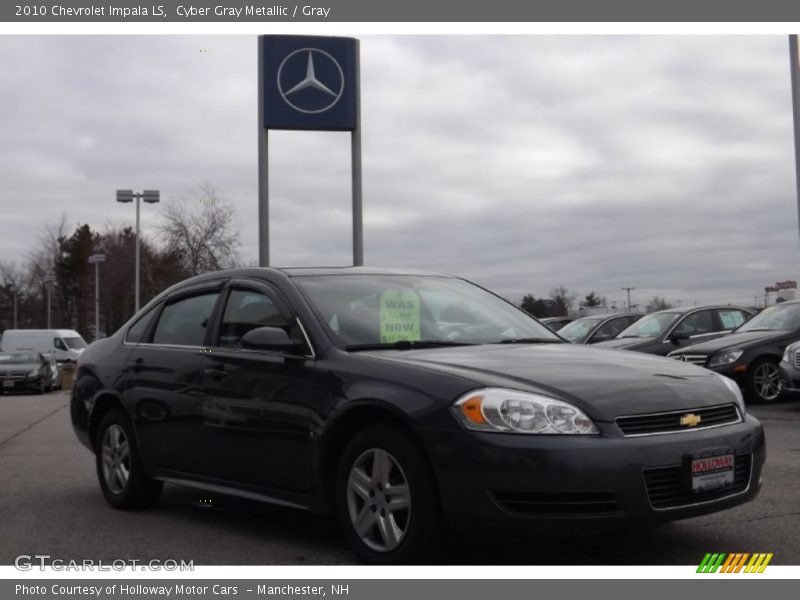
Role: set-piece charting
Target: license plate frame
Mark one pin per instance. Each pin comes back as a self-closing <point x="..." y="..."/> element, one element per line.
<point x="711" y="470"/>
<point x="8" y="383"/>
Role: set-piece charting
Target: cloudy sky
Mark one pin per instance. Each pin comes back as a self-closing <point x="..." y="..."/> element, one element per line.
<point x="521" y="162"/>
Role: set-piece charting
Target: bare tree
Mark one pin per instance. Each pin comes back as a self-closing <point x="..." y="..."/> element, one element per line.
<point x="202" y="233"/>
<point x="41" y="260"/>
<point x="12" y="292"/>
<point x="658" y="303"/>
<point x="564" y="299"/>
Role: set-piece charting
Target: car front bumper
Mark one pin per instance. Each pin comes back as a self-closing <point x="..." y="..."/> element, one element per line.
<point x="792" y="375"/>
<point x="16" y="385"/>
<point x="494" y="483"/>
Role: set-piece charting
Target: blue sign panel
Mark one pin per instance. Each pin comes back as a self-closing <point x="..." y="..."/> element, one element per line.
<point x="309" y="82"/>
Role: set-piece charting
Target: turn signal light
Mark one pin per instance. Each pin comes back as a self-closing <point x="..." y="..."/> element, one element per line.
<point x="472" y="410"/>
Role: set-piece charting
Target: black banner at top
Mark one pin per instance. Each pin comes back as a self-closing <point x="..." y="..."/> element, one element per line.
<point x="230" y="11"/>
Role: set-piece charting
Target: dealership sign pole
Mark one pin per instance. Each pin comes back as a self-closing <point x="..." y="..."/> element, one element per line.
<point x="312" y="84"/>
<point x="794" y="65"/>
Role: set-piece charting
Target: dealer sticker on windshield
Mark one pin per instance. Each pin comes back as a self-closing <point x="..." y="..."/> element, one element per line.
<point x="712" y="470"/>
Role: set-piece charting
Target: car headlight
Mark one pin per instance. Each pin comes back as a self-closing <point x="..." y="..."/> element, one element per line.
<point x="725" y="358"/>
<point x="34" y="373"/>
<point x="734" y="388"/>
<point x="511" y="411"/>
<point x="787" y="356"/>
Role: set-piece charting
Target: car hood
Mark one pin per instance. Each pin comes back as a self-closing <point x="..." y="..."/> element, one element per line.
<point x="626" y="343"/>
<point x="745" y="339"/>
<point x="604" y="383"/>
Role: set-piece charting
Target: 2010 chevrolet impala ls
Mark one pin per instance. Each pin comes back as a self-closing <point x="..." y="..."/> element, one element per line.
<point x="407" y="403"/>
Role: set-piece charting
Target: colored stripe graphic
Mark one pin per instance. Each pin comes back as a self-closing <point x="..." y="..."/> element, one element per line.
<point x="711" y="562"/>
<point x="734" y="562"/>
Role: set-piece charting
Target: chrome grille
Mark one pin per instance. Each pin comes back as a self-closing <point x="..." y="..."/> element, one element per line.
<point x="796" y="359"/>
<point x="670" y="422"/>
<point x="695" y="359"/>
<point x="13" y="375"/>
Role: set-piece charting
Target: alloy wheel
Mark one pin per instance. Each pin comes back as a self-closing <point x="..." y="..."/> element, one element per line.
<point x="116" y="459"/>
<point x="378" y="500"/>
<point x="768" y="381"/>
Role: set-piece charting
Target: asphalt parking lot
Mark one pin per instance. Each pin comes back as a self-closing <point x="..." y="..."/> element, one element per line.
<point x="51" y="504"/>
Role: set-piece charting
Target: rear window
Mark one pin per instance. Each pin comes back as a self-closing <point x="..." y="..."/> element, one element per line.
<point x="184" y="323"/>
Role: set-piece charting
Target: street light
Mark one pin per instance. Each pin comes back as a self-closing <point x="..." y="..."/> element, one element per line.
<point x="12" y="288"/>
<point x="49" y="280"/>
<point x="96" y="259"/>
<point x="151" y="197"/>
<point x="628" y="289"/>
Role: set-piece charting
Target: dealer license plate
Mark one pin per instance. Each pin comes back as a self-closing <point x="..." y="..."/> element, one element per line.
<point x="8" y="383"/>
<point x="711" y="471"/>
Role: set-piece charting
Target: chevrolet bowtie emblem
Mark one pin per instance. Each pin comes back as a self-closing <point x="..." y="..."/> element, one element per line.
<point x="691" y="420"/>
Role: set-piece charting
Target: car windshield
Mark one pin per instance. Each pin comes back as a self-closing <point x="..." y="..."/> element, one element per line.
<point x="650" y="326"/>
<point x="781" y="317"/>
<point x="17" y="358"/>
<point x="408" y="311"/>
<point x="579" y="329"/>
<point x="75" y="343"/>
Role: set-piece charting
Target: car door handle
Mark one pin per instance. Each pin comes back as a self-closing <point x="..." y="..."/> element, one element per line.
<point x="215" y="372"/>
<point x="135" y="365"/>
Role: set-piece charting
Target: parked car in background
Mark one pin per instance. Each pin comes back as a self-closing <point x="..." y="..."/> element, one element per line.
<point x="597" y="328"/>
<point x="556" y="323"/>
<point x="64" y="344"/>
<point x="54" y="370"/>
<point x="751" y="354"/>
<point x="663" y="331"/>
<point x="790" y="368"/>
<point x="24" y="372"/>
<point x="350" y="391"/>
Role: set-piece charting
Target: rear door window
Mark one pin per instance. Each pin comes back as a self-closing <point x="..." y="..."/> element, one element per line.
<point x="184" y="322"/>
<point x="137" y="331"/>
<point x="731" y="319"/>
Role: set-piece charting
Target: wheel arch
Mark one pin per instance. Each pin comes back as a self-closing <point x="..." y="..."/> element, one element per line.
<point x="344" y="427"/>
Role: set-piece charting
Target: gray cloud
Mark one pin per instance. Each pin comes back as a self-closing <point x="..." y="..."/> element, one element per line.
<point x="522" y="162"/>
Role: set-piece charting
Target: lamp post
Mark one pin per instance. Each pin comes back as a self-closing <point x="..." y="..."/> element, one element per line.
<point x="96" y="259"/>
<point x="49" y="281"/>
<point x="13" y="291"/>
<point x="151" y="197"/>
<point x="628" y="289"/>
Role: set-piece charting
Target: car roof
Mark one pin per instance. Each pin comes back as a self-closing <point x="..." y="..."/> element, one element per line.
<point x="685" y="309"/>
<point x="609" y="315"/>
<point x="292" y="272"/>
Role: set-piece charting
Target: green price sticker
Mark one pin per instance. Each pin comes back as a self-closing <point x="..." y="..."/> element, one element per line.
<point x="399" y="317"/>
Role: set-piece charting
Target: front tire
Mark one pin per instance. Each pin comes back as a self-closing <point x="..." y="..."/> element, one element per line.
<point x="386" y="497"/>
<point x="764" y="383"/>
<point x="122" y="479"/>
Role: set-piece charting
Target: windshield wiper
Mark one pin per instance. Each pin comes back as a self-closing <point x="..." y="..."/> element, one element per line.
<point x="405" y="345"/>
<point x="759" y="329"/>
<point x="625" y="337"/>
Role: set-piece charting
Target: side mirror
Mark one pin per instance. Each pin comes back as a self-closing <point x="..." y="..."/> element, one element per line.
<point x="269" y="338"/>
<point x="678" y="336"/>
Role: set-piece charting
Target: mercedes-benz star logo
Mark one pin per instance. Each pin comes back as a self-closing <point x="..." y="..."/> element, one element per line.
<point x="319" y="90"/>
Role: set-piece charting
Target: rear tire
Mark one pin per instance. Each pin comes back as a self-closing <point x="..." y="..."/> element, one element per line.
<point x="386" y="498"/>
<point x="122" y="478"/>
<point x="764" y="382"/>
